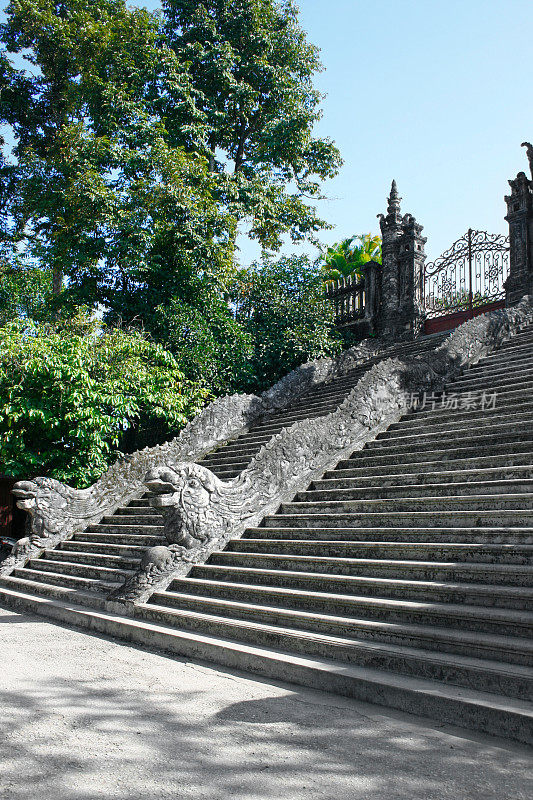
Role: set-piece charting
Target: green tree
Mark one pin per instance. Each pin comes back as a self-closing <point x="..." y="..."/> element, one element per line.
<point x="70" y="394"/>
<point x="109" y="185"/>
<point x="347" y="257"/>
<point x="282" y="306"/>
<point x="253" y="69"/>
<point x="208" y="342"/>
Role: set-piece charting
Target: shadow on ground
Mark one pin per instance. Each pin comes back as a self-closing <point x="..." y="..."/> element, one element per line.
<point x="126" y="745"/>
<point x="86" y="718"/>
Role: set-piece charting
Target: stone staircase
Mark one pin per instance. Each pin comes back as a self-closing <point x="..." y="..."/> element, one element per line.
<point x="99" y="559"/>
<point x="403" y="577"/>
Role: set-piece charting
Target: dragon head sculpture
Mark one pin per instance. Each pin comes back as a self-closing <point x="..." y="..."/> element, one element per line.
<point x="43" y="503"/>
<point x="188" y="496"/>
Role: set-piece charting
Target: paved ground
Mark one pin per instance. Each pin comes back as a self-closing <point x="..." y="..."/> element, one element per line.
<point x="86" y="718"/>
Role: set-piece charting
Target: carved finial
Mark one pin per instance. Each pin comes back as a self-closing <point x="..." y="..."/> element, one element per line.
<point x="529" y="152"/>
<point x="394" y="200"/>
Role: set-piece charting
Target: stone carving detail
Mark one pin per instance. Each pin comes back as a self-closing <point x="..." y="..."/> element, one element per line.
<point x="202" y="512"/>
<point x="529" y="153"/>
<point x="58" y="511"/>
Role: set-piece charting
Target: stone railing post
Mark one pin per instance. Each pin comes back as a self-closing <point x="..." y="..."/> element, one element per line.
<point x="372" y="283"/>
<point x="402" y="311"/>
<point x="520" y="219"/>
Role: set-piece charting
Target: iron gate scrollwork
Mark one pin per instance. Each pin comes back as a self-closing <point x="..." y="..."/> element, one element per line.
<point x="470" y="274"/>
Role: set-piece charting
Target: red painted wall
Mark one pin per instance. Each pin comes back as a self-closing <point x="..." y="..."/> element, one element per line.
<point x="451" y="321"/>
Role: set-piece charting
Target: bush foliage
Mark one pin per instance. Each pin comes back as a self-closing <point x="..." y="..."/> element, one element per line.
<point x="68" y="395"/>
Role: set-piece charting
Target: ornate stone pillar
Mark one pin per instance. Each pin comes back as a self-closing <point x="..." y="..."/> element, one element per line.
<point x="520" y="219"/>
<point x="402" y="311"/>
<point x="372" y="277"/>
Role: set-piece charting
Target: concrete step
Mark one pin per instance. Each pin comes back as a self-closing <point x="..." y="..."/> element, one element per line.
<point x="148" y="535"/>
<point x="409" y="535"/>
<point x="80" y="570"/>
<point x="455" y="503"/>
<point x="486" y="435"/>
<point x="144" y="511"/>
<point x="465" y="572"/>
<point x="484" y="619"/>
<point x="475" y="449"/>
<point x="96" y="558"/>
<point x="419" y="480"/>
<point x="45" y="582"/>
<point x="90" y="593"/>
<point x="515" y="403"/>
<point x="500" y="596"/>
<point x="490" y="383"/>
<point x="412" y="551"/>
<point x="386" y="491"/>
<point x="487" y="712"/>
<point x="503" y="366"/>
<point x="363" y="468"/>
<point x="486" y="421"/>
<point x="129" y="521"/>
<point x="103" y="549"/>
<point x="413" y="519"/>
<point x="509" y="679"/>
<point x="513" y="650"/>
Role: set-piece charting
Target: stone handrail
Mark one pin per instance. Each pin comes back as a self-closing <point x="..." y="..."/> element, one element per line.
<point x="58" y="511"/>
<point x="201" y="512"/>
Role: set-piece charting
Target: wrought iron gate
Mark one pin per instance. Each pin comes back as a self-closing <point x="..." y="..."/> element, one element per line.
<point x="468" y="277"/>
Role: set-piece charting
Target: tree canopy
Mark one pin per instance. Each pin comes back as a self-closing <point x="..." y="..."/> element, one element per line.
<point x="139" y="147"/>
<point x="349" y="256"/>
<point x="253" y="69"/>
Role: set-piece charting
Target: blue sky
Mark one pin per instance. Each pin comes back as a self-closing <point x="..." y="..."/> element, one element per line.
<point x="434" y="93"/>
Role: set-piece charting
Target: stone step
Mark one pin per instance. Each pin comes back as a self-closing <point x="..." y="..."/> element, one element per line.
<point x="459" y="552"/>
<point x="516" y="353"/>
<point x="454" y="503"/>
<point x="150" y="535"/>
<point x="227" y="474"/>
<point x="524" y="339"/>
<point x="348" y="468"/>
<point x="484" y="436"/>
<point x="480" y="618"/>
<point x="513" y="649"/>
<point x="129" y="521"/>
<point x="81" y="570"/>
<point x="386" y="491"/>
<point x="504" y="396"/>
<point x="442" y="420"/>
<point x="232" y="451"/>
<point x="93" y="558"/>
<point x="413" y="519"/>
<point x="504" y="366"/>
<point x="220" y="458"/>
<point x="37" y="579"/>
<point x="144" y="511"/>
<point x="279" y="657"/>
<point x="510" y="680"/>
<point x="490" y="383"/>
<point x="464" y="572"/>
<point x="411" y="535"/>
<point x="476" y="449"/>
<point x="500" y="596"/>
<point x="104" y="548"/>
<point x="91" y="593"/>
<point x="419" y="480"/>
<point x="512" y="405"/>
